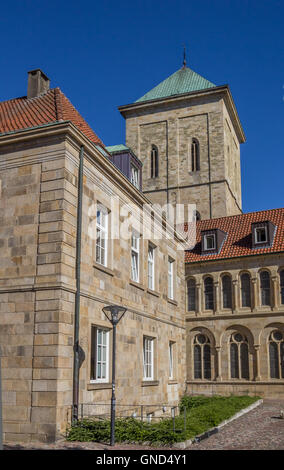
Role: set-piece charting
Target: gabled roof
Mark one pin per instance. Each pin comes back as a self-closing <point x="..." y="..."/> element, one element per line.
<point x="184" y="80"/>
<point x="239" y="235"/>
<point x="50" y="107"/>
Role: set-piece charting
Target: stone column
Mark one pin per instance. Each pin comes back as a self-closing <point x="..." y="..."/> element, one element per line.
<point x="219" y="362"/>
<point x="236" y="304"/>
<point x="257" y="358"/>
<point x="275" y="303"/>
<point x="216" y="297"/>
<point x="198" y="299"/>
<point x="255" y="298"/>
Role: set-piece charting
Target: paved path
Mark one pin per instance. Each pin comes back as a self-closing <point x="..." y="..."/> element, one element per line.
<point x="260" y="429"/>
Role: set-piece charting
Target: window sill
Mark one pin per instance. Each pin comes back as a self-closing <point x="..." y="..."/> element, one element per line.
<point x="137" y="284"/>
<point x="104" y="269"/>
<point x="149" y="383"/>
<point x="153" y="292"/>
<point x="172" y="382"/>
<point x="99" y="386"/>
<point x="171" y="301"/>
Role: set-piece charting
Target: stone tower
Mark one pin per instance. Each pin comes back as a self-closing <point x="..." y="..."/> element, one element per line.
<point x="187" y="133"/>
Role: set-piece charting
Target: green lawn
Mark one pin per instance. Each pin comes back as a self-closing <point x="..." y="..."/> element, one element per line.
<point x="197" y="415"/>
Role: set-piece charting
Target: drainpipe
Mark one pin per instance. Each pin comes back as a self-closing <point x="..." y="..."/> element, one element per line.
<point x="76" y="367"/>
<point x="209" y="168"/>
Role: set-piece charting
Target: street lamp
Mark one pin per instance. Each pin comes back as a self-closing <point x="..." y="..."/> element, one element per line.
<point x="114" y="314"/>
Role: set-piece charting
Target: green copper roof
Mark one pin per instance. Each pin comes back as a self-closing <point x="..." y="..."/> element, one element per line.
<point x="117" y="148"/>
<point x="184" y="80"/>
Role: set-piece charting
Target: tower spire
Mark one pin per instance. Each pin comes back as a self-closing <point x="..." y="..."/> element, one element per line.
<point x="184" y="57"/>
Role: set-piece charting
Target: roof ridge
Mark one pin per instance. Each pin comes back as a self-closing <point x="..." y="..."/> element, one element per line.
<point x="241" y="215"/>
<point x="58" y="104"/>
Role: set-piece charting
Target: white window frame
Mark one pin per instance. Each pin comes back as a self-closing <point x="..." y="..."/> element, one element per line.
<point x="151" y="266"/>
<point x="148" y="358"/>
<point x="211" y="235"/>
<point x="105" y="359"/>
<point x="102" y="230"/>
<point x="134" y="176"/>
<point x="170" y="278"/>
<point x="255" y="234"/>
<point x="171" y="360"/>
<point x="135" y="253"/>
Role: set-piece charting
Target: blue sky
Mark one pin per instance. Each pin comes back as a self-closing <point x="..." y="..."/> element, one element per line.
<point x="108" y="53"/>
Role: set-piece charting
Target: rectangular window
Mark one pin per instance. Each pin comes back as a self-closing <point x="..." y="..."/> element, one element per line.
<point x="134" y="176"/>
<point x="170" y="278"/>
<point x="171" y="360"/>
<point x="99" y="354"/>
<point x="135" y="239"/>
<point x="209" y="242"/>
<point x="148" y="358"/>
<point x="101" y="235"/>
<point x="260" y="234"/>
<point x="151" y="267"/>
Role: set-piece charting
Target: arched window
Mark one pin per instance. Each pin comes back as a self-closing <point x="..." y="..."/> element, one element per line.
<point x="239" y="358"/>
<point x="195" y="158"/>
<point x="191" y="293"/>
<point x="265" y="287"/>
<point x="154" y="162"/>
<point x="202" y="357"/>
<point x="227" y="291"/>
<point x="209" y="293"/>
<point x="245" y="290"/>
<point x="282" y="286"/>
<point x="276" y="355"/>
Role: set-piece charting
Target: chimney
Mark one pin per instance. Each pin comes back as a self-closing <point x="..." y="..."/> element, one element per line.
<point x="38" y="83"/>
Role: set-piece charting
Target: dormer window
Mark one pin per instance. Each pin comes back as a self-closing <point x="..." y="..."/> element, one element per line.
<point x="212" y="241"/>
<point x="260" y="234"/>
<point x="209" y="242"/>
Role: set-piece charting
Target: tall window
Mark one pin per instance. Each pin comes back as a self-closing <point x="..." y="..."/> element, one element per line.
<point x="170" y="278"/>
<point x="135" y="239"/>
<point x="99" y="354"/>
<point x="151" y="267"/>
<point x="191" y="293"/>
<point x="282" y="286"/>
<point x="195" y="160"/>
<point x="209" y="293"/>
<point x="239" y="358"/>
<point x="265" y="287"/>
<point x="245" y="290"/>
<point x="171" y="359"/>
<point x="202" y="357"/>
<point x="276" y="355"/>
<point x="101" y="235"/>
<point x="134" y="176"/>
<point x="148" y="358"/>
<point x="227" y="291"/>
<point x="154" y="162"/>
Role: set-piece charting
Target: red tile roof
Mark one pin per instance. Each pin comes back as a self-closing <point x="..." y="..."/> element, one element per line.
<point x="239" y="237"/>
<point x="52" y="106"/>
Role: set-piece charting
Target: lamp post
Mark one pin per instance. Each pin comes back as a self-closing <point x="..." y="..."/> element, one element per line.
<point x="114" y="314"/>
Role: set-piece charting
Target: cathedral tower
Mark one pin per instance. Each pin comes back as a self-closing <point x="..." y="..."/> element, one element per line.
<point x="187" y="133"/>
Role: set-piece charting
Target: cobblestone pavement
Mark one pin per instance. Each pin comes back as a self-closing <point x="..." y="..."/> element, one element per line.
<point x="260" y="429"/>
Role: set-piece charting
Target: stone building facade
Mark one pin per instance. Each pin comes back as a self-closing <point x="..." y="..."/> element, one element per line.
<point x="187" y="135"/>
<point x="183" y="116"/>
<point x="38" y="206"/>
<point x="235" y="308"/>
